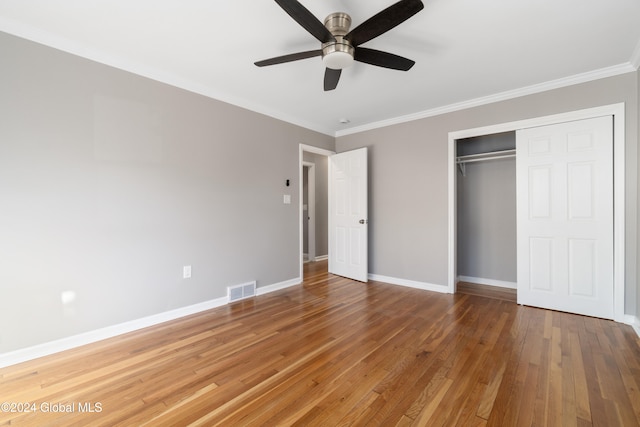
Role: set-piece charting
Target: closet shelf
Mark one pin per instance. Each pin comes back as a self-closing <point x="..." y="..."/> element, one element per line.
<point x="481" y="157"/>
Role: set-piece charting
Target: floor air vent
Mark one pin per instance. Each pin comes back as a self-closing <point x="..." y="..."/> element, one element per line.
<point x="238" y="292"/>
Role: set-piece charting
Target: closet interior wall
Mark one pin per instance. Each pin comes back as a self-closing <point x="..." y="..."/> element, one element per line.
<point x="486" y="211"/>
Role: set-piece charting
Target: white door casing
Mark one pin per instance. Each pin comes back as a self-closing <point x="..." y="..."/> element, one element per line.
<point x="617" y="111"/>
<point x="348" y="219"/>
<point x="565" y="216"/>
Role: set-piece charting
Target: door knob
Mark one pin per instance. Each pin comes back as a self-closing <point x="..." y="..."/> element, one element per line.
<point x="363" y="221"/>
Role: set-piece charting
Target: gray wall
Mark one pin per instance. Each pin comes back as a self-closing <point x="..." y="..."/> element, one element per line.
<point x="322" y="201"/>
<point x="110" y="183"/>
<point x="486" y="212"/>
<point x="408" y="175"/>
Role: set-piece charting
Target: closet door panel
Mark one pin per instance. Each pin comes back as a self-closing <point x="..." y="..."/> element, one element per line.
<point x="565" y="216"/>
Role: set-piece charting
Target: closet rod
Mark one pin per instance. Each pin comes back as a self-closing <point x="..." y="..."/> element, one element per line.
<point x="492" y="155"/>
<point x="486" y="156"/>
<point x="505" y="156"/>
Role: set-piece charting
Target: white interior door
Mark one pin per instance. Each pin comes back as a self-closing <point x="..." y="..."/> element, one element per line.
<point x="565" y="216"/>
<point x="348" y="214"/>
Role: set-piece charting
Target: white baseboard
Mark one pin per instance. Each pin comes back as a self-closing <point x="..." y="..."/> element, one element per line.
<point x="67" y="343"/>
<point x="277" y="286"/>
<point x="490" y="282"/>
<point x="45" y="349"/>
<point x="321" y="258"/>
<point x="634" y="322"/>
<point x="409" y="283"/>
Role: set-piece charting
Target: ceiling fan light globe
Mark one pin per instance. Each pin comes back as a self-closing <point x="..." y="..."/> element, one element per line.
<point x="337" y="60"/>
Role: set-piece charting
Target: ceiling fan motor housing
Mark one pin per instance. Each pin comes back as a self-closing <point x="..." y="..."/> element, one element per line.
<point x="338" y="54"/>
<point x="338" y="23"/>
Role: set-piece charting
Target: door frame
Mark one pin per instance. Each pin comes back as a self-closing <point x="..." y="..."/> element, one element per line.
<point x="301" y="150"/>
<point x="311" y="209"/>
<point x="615" y="110"/>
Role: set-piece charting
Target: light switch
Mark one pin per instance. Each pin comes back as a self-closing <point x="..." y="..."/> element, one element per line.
<point x="287" y="199"/>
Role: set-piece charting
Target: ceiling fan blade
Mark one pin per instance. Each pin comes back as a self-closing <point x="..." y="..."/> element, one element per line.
<point x="331" y="78"/>
<point x="384" y="21"/>
<point x="307" y="20"/>
<point x="289" y="58"/>
<point x="382" y="59"/>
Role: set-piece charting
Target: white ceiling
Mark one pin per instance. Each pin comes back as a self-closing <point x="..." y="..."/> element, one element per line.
<point x="467" y="51"/>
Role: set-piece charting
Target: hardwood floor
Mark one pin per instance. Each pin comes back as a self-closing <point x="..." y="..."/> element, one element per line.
<point x="335" y="352"/>
<point x="506" y="294"/>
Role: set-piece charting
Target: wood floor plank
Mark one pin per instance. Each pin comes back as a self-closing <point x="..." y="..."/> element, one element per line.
<point x="581" y="390"/>
<point x="495" y="292"/>
<point x="336" y="352"/>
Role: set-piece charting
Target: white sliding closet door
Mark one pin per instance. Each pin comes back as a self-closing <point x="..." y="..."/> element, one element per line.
<point x="565" y="216"/>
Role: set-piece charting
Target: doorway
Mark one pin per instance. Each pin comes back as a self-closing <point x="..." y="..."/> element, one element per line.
<point x="617" y="112"/>
<point x="308" y="211"/>
<point x="314" y="198"/>
<point x="486" y="210"/>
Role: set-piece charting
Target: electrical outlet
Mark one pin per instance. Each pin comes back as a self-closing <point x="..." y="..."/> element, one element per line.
<point x="186" y="272"/>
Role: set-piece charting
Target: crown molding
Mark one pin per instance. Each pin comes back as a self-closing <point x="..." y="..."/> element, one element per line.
<point x="75" y="48"/>
<point x="502" y="96"/>
<point x="72" y="47"/>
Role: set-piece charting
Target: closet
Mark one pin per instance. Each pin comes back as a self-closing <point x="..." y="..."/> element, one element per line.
<point x="486" y="210"/>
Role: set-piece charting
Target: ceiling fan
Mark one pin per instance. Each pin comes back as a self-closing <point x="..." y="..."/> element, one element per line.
<point x="340" y="47"/>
